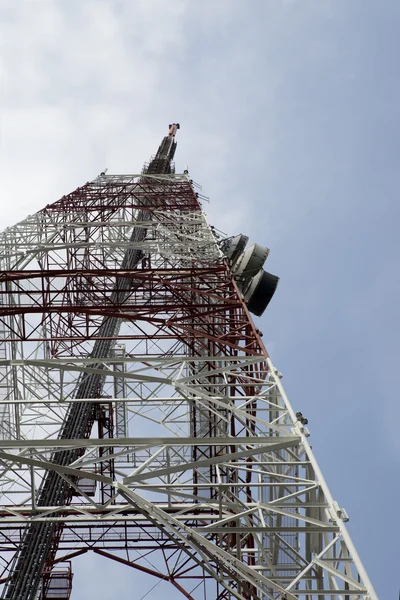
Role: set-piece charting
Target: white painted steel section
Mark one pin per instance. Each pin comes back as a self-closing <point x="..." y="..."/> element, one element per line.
<point x="321" y="480"/>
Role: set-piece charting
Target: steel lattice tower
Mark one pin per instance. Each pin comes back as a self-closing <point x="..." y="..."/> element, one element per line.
<point x="140" y="413"/>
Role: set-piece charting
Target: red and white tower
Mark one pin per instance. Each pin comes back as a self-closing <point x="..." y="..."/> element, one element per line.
<point x="140" y="414"/>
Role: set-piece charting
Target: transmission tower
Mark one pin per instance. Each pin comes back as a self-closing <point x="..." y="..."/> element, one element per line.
<point x="141" y="417"/>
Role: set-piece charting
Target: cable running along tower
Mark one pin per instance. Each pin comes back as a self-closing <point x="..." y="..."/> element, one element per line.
<point x="141" y="417"/>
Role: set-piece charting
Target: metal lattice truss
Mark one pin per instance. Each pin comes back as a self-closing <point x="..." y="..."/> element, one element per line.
<point x="196" y="468"/>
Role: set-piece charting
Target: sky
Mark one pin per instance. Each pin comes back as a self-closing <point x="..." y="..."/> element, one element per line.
<point x="290" y="122"/>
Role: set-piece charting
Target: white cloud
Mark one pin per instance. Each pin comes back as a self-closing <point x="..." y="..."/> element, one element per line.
<point x="79" y="80"/>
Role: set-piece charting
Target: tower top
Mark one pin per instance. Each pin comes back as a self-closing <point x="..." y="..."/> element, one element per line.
<point x="173" y="128"/>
